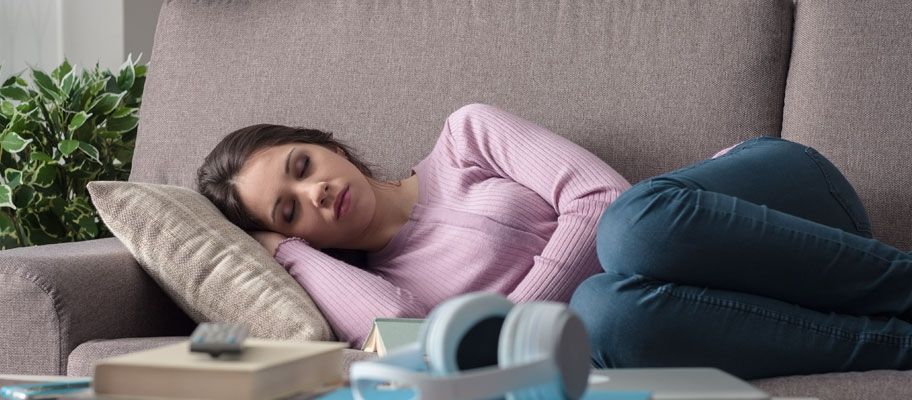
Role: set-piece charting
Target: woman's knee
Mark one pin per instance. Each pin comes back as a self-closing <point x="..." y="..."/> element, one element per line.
<point x="593" y="302"/>
<point x="632" y="228"/>
<point x="617" y="325"/>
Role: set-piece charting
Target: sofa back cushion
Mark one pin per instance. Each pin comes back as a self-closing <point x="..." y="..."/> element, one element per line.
<point x="849" y="97"/>
<point x="646" y="85"/>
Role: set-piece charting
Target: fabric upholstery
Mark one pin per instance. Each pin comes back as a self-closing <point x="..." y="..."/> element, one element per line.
<point x="81" y="361"/>
<point x="54" y="297"/>
<point x="849" y="96"/>
<point x="869" y="385"/>
<point x="210" y="267"/>
<point x="646" y="85"/>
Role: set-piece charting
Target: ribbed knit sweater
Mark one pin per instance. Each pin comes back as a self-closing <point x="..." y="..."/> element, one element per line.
<point x="504" y="205"/>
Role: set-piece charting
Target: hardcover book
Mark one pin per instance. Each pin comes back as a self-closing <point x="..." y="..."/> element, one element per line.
<point x="388" y="334"/>
<point x="266" y="369"/>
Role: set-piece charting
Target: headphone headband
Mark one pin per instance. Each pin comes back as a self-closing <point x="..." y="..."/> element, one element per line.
<point x="399" y="367"/>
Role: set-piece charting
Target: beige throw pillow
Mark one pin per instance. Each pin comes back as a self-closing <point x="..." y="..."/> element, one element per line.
<point x="211" y="268"/>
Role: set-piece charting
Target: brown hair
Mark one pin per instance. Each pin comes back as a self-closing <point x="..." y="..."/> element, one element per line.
<point x="216" y="177"/>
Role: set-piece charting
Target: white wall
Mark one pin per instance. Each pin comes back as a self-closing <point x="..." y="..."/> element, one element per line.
<point x="93" y="31"/>
<point x="29" y="34"/>
<point x="140" y="18"/>
<point x="42" y="32"/>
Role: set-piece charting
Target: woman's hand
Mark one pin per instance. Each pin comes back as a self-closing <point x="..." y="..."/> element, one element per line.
<point x="270" y="240"/>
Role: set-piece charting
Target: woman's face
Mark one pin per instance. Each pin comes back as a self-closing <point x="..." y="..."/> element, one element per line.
<point x="293" y="189"/>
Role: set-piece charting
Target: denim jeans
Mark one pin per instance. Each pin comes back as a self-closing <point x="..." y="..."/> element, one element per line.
<point x="759" y="262"/>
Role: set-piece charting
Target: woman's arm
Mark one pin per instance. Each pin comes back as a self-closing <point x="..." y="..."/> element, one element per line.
<point x="349" y="297"/>
<point x="571" y="179"/>
<point x="270" y="240"/>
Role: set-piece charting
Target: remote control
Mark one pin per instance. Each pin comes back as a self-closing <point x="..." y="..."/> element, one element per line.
<point x="216" y="338"/>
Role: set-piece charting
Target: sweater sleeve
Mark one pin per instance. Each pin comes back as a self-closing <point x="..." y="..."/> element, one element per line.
<point x="349" y="297"/>
<point x="575" y="182"/>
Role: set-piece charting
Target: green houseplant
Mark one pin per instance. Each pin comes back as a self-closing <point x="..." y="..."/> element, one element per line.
<point x="57" y="133"/>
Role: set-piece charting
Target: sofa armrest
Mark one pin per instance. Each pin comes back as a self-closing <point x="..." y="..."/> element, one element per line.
<point x="55" y="297"/>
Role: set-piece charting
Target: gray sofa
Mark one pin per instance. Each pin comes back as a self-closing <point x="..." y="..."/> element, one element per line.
<point x="646" y="85"/>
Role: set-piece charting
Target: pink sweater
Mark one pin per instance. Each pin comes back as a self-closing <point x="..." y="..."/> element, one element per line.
<point x="504" y="205"/>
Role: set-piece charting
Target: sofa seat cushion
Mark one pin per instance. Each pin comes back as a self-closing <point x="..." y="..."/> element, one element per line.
<point x="871" y="385"/>
<point x="82" y="360"/>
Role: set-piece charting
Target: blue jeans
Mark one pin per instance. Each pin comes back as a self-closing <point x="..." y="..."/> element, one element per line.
<point x="759" y="262"/>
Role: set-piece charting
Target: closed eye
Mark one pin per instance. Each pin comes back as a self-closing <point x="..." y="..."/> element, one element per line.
<point x="291" y="217"/>
<point x="293" y="203"/>
<point x="304" y="169"/>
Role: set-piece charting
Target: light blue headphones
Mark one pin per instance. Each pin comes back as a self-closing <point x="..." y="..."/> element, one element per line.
<point x="480" y="345"/>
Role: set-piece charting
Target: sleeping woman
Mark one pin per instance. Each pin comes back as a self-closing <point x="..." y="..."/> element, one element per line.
<point x="761" y="253"/>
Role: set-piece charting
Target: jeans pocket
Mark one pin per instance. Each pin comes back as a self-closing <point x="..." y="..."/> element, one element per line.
<point x="842" y="191"/>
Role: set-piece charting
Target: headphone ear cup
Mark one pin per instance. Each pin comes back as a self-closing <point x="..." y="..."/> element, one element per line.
<point x="425" y="328"/>
<point x="462" y="331"/>
<point x="536" y="330"/>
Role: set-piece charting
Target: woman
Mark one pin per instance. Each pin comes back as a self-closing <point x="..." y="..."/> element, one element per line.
<point x="500" y="204"/>
<point x="735" y="262"/>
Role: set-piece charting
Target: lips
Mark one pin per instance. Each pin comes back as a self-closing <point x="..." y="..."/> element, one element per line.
<point x="339" y="200"/>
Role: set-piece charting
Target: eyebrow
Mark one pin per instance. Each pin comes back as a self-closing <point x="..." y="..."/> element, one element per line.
<point x="287" y="167"/>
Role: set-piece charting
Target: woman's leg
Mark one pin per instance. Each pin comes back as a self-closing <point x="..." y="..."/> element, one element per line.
<point x="637" y="322"/>
<point x="671" y="229"/>
<point x="704" y="268"/>
<point x="784" y="176"/>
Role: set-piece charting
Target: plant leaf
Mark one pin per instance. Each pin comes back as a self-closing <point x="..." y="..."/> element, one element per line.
<point x="24" y="196"/>
<point x="15" y="93"/>
<point x="122" y="112"/>
<point x="40" y="156"/>
<point x="87" y="223"/>
<point x="13" y="177"/>
<point x="109" y="135"/>
<point x="106" y="103"/>
<point x="9" y="237"/>
<point x="67" y="82"/>
<point x="62" y="70"/>
<point x="13" y="143"/>
<point x="127" y="75"/>
<point x="90" y="151"/>
<point x="6" y="196"/>
<point x="45" y="175"/>
<point x="58" y="205"/>
<point x="124" y="124"/>
<point x="25" y="107"/>
<point x="78" y="120"/>
<point x="46" y="85"/>
<point x="68" y="146"/>
<point x="124" y="155"/>
<point x="97" y="86"/>
<point x="7" y="109"/>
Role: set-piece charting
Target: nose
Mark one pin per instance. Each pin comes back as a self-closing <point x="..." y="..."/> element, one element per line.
<point x="319" y="193"/>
